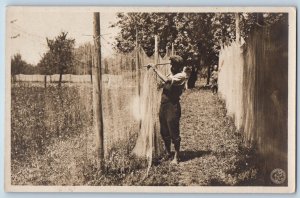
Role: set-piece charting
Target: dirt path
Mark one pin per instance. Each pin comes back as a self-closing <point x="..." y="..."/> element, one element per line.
<point x="211" y="149"/>
<point x="207" y="140"/>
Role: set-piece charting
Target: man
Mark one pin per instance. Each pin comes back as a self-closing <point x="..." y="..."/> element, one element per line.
<point x="170" y="110"/>
<point x="214" y="80"/>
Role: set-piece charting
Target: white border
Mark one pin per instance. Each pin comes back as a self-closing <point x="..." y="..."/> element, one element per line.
<point x="172" y="189"/>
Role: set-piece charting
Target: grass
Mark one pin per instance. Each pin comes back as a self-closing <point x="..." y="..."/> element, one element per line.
<point x="42" y="118"/>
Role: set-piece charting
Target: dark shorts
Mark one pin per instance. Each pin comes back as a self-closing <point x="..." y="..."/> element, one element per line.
<point x="169" y="116"/>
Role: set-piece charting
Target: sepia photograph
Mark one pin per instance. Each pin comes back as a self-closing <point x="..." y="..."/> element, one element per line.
<point x="150" y="99"/>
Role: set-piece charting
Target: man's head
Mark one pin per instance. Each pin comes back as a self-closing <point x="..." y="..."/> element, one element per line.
<point x="215" y="67"/>
<point x="187" y="70"/>
<point x="176" y="64"/>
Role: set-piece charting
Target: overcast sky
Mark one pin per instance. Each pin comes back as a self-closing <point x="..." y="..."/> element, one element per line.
<point x="34" y="27"/>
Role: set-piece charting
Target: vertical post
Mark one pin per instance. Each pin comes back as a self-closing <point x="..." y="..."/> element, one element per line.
<point x="172" y="52"/>
<point x="167" y="51"/>
<point x="85" y="60"/>
<point x="237" y="27"/>
<point x="121" y="64"/>
<point x="132" y="68"/>
<point x="91" y="64"/>
<point x="259" y="18"/>
<point x="45" y="79"/>
<point x="155" y="106"/>
<point x="137" y="70"/>
<point x="137" y="73"/>
<point x="98" y="90"/>
<point x="156" y="50"/>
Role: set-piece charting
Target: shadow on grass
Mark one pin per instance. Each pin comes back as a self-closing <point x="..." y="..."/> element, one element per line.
<point x="204" y="87"/>
<point x="190" y="155"/>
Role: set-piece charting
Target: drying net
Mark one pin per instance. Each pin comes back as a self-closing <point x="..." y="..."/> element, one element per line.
<point x="131" y="105"/>
<point x="149" y="143"/>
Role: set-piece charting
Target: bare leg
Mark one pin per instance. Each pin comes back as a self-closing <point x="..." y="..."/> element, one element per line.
<point x="175" y="160"/>
<point x="177" y="148"/>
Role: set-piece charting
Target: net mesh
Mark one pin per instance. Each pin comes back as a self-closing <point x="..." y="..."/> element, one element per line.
<point x="131" y="103"/>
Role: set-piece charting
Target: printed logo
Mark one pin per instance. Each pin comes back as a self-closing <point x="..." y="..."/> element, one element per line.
<point x="278" y="176"/>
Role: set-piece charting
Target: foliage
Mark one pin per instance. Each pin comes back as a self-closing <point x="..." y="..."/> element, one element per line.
<point x="196" y="36"/>
<point x="46" y="64"/>
<point x="20" y="66"/>
<point x="61" y="49"/>
<point x="145" y="26"/>
<point x="82" y="62"/>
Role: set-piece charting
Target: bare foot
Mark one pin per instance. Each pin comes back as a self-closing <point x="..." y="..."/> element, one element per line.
<point x="175" y="160"/>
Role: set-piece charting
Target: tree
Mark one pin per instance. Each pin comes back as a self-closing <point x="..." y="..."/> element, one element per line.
<point x="61" y="49"/>
<point x="46" y="65"/>
<point x="17" y="64"/>
<point x="143" y="27"/>
<point x="196" y="36"/>
<point x="191" y="33"/>
<point x="82" y="62"/>
<point x="20" y="66"/>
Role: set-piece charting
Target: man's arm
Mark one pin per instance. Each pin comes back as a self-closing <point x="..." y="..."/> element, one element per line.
<point x="179" y="79"/>
<point x="159" y="74"/>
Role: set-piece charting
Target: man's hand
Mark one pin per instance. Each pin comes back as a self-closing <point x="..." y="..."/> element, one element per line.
<point x="149" y="66"/>
<point x="157" y="72"/>
<point x="160" y="85"/>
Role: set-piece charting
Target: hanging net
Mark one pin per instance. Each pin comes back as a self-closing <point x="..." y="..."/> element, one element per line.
<point x="131" y="101"/>
<point x="149" y="143"/>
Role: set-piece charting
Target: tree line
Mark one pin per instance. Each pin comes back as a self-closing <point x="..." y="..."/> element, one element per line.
<point x="195" y="36"/>
<point x="60" y="58"/>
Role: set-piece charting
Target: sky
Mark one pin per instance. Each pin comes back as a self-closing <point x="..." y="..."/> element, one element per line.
<point x="27" y="31"/>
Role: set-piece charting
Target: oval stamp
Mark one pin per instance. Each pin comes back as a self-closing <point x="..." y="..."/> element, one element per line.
<point x="278" y="176"/>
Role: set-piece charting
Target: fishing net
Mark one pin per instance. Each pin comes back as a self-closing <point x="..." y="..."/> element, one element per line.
<point x="131" y="100"/>
<point x="149" y="143"/>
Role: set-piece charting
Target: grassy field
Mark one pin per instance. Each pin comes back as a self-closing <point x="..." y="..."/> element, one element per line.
<point x="53" y="141"/>
<point x="52" y="134"/>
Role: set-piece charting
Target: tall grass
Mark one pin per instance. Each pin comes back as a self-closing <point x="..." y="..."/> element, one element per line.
<point x="41" y="115"/>
<point x="53" y="137"/>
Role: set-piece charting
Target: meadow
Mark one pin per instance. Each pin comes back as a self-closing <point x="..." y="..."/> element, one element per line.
<point x="53" y="137"/>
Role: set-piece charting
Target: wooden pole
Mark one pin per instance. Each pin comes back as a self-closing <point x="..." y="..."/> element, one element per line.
<point x="85" y="60"/>
<point x="172" y="52"/>
<point x="156" y="128"/>
<point x="237" y="27"/>
<point x="98" y="90"/>
<point x="45" y="79"/>
<point x="137" y="62"/>
<point x="156" y="50"/>
<point x="91" y="64"/>
<point x="167" y="51"/>
<point x="138" y="72"/>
